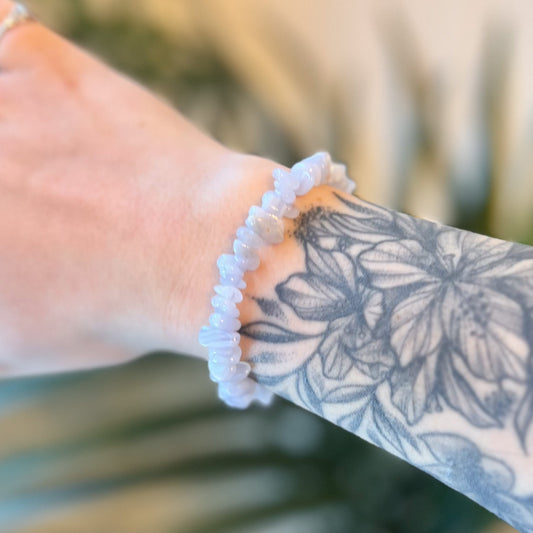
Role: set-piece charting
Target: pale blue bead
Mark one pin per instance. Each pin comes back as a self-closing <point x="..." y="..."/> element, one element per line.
<point x="227" y="353"/>
<point x="263" y="395"/>
<point x="273" y="203"/>
<point x="228" y="360"/>
<point x="248" y="263"/>
<point x="284" y="188"/>
<point x="249" y="237"/>
<point x="337" y="175"/>
<point x="230" y="272"/>
<point x="292" y="211"/>
<point x="216" y="338"/>
<point x="227" y="266"/>
<point x="349" y="186"/>
<point x="285" y="191"/>
<point x="229" y="293"/>
<point x="245" y="256"/>
<point x="306" y="180"/>
<point x="237" y="388"/>
<point x="225" y="322"/>
<point x="220" y="371"/>
<point x="232" y="281"/>
<point x="268" y="227"/>
<point x="322" y="161"/>
<point x="238" y="394"/>
<point x="224" y="306"/>
<point x="237" y="402"/>
<point x="282" y="175"/>
<point x="242" y="369"/>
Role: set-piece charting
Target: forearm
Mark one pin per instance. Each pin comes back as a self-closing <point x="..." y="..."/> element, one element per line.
<point x="414" y="336"/>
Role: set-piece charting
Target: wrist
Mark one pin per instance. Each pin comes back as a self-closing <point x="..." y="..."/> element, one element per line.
<point x="188" y="242"/>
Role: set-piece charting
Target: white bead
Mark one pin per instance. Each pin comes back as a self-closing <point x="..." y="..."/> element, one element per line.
<point x="349" y="186"/>
<point x="245" y="256"/>
<point x="215" y="338"/>
<point x="242" y="369"/>
<point x="230" y="272"/>
<point x="225" y="322"/>
<point x="238" y="402"/>
<point x="229" y="293"/>
<point x="323" y="161"/>
<point x="224" y="306"/>
<point x="292" y="211"/>
<point x="238" y="394"/>
<point x="226" y="359"/>
<point x="305" y="179"/>
<point x="273" y="203"/>
<point x="220" y="371"/>
<point x="283" y="175"/>
<point x="285" y="191"/>
<point x="230" y="355"/>
<point x="232" y="281"/>
<point x="268" y="227"/>
<point x="248" y="263"/>
<point x="249" y="237"/>
<point x="337" y="175"/>
<point x="263" y="395"/>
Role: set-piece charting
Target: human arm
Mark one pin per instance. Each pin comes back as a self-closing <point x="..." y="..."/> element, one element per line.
<point x="107" y="197"/>
<point x="412" y="335"/>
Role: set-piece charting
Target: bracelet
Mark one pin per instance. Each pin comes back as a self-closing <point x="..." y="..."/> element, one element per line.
<point x="263" y="226"/>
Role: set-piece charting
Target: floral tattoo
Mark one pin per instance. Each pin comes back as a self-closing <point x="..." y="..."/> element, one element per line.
<point x="391" y="310"/>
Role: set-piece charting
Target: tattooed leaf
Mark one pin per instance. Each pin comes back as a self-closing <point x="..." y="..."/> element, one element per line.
<point x="452" y="450"/>
<point x="332" y="350"/>
<point x="460" y="395"/>
<point x="473" y="254"/>
<point x="487" y="326"/>
<point x="524" y="416"/>
<point x="312" y="298"/>
<point x="388" y="430"/>
<point x="335" y="266"/>
<point x="397" y="263"/>
<point x="270" y="307"/>
<point x="462" y="455"/>
<point x="352" y="422"/>
<point x="348" y="394"/>
<point x="411" y="387"/>
<point x="515" y="511"/>
<point x="416" y="327"/>
<point x="269" y="332"/>
<point x="497" y="474"/>
<point x="374" y="359"/>
<point x="372" y="302"/>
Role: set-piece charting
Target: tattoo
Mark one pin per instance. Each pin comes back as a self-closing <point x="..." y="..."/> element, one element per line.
<point x="395" y="319"/>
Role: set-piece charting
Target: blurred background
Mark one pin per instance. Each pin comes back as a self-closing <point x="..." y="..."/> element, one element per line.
<point x="431" y="106"/>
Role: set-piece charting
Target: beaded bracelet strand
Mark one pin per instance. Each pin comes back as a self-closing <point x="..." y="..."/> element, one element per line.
<point x="263" y="226"/>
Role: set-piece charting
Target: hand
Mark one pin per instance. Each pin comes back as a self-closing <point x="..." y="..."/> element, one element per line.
<point x="113" y="210"/>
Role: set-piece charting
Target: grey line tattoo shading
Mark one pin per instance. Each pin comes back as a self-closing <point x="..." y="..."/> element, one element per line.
<point x="406" y="312"/>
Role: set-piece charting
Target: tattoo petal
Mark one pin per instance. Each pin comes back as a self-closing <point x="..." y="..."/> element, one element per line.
<point x="415" y="323"/>
<point x="335" y="266"/>
<point x="312" y="298"/>
<point x="460" y="395"/>
<point x="398" y="263"/>
<point x="412" y="386"/>
<point x="486" y="326"/>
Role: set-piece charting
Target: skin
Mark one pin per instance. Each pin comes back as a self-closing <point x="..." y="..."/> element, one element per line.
<point x="414" y="336"/>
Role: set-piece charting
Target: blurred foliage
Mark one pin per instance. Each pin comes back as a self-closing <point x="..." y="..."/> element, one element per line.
<point x="93" y="444"/>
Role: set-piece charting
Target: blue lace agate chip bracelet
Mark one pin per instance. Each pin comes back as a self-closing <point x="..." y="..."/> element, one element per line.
<point x="264" y="226"/>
